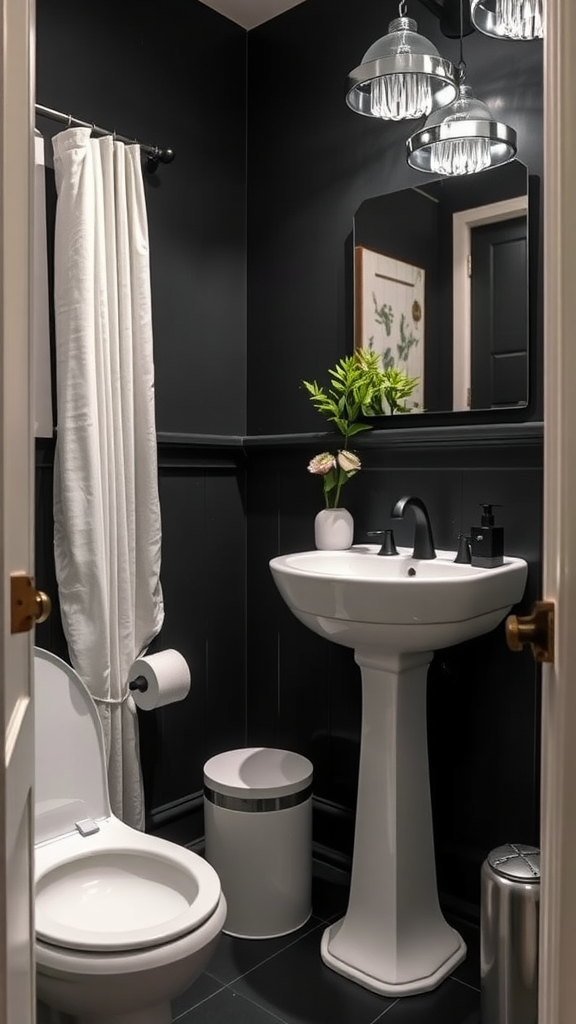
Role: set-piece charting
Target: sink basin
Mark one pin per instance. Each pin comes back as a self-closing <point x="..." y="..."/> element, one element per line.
<point x="394" y="611"/>
<point x="358" y="597"/>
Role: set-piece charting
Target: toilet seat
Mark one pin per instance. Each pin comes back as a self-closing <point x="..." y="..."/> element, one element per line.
<point x="114" y="889"/>
<point x="120" y="889"/>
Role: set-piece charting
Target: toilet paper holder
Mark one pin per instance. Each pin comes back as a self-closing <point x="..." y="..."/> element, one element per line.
<point x="156" y="680"/>
<point x="140" y="683"/>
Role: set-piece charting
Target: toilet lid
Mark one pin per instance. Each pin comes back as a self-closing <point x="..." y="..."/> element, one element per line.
<point x="70" y="772"/>
<point x="116" y="899"/>
<point x="108" y="887"/>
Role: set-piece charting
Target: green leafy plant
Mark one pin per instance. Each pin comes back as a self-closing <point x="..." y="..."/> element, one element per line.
<point x="397" y="386"/>
<point x="358" y="388"/>
<point x="354" y="386"/>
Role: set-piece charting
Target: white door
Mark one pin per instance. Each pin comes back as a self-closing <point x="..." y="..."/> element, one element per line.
<point x="17" y="1002"/>
<point x="558" y="911"/>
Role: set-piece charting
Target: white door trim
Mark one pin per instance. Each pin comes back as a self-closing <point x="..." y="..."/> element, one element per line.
<point x="557" y="998"/>
<point x="17" y="988"/>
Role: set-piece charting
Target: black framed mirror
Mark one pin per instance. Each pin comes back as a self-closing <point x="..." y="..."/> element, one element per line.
<point x="442" y="289"/>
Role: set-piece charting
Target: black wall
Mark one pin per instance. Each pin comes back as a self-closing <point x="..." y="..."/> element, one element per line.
<point x="175" y="76"/>
<point x="252" y="292"/>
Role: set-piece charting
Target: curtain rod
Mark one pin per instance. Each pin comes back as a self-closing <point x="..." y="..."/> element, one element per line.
<point x="154" y="153"/>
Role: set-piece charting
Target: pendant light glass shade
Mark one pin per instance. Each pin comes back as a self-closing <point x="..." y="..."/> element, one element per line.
<point x="509" y="19"/>
<point x="402" y="76"/>
<point x="462" y="138"/>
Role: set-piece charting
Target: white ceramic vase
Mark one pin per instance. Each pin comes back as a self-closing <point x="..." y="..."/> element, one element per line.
<point x="333" y="529"/>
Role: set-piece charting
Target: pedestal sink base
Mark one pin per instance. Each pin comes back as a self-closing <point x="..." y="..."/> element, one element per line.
<point x="393" y="938"/>
<point x="382" y="984"/>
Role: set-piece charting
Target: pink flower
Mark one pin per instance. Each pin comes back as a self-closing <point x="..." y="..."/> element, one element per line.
<point x="322" y="464"/>
<point x="349" y="462"/>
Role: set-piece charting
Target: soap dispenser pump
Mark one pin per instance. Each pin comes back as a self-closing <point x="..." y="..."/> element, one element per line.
<point x="487" y="540"/>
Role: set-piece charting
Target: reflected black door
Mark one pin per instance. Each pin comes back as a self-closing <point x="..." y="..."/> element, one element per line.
<point x="499" y="309"/>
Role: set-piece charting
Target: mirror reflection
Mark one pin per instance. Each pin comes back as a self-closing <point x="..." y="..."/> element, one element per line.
<point x="441" y="288"/>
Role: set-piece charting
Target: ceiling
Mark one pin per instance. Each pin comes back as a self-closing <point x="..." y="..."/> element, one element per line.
<point x="249" y="13"/>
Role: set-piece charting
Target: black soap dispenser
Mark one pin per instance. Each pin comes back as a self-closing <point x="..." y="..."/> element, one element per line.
<point x="487" y="541"/>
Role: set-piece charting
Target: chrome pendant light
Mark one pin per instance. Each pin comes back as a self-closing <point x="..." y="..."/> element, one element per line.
<point x="402" y="75"/>
<point x="463" y="137"/>
<point x="509" y="19"/>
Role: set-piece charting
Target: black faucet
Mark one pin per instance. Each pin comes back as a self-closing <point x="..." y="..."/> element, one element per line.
<point x="423" y="540"/>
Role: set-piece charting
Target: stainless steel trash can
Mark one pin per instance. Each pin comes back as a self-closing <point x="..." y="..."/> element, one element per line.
<point x="258" y="825"/>
<point x="509" y="920"/>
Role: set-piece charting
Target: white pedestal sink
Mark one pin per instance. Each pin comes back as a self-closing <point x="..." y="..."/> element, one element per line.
<point x="394" y="611"/>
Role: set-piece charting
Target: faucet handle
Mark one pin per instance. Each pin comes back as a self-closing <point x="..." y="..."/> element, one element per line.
<point x="388" y="545"/>
<point x="463" y="554"/>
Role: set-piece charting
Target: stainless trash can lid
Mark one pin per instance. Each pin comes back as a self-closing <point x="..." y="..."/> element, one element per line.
<point x="517" y="861"/>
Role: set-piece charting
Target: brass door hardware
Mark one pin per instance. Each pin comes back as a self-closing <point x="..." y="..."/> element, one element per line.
<point x="28" y="606"/>
<point x="535" y="630"/>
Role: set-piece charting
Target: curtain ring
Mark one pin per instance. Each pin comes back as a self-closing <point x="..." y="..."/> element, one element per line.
<point x="69" y="125"/>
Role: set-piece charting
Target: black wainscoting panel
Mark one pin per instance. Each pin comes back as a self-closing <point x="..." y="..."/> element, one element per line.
<point x="263" y="606"/>
<point x="203" y="579"/>
<point x="49" y="634"/>
<point x="483" y="712"/>
<point x="178" y="728"/>
<point x="225" y="593"/>
<point x="303" y="693"/>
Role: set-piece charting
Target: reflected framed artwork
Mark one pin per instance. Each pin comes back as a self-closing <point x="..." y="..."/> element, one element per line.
<point x="389" y="315"/>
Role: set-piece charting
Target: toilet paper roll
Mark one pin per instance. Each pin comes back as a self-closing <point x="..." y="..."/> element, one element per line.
<point x="165" y="678"/>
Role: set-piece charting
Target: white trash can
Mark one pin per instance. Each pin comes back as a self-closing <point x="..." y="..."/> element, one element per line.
<point x="258" y="825"/>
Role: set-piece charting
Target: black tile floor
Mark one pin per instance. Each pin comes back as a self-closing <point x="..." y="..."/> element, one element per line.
<point x="268" y="981"/>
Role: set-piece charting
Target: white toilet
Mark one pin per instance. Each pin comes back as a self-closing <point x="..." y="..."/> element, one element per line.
<point x="124" y="921"/>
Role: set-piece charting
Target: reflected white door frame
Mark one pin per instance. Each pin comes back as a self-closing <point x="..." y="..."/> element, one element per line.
<point x="463" y="224"/>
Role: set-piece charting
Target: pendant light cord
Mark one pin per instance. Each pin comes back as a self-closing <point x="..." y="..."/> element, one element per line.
<point x="461" y="62"/>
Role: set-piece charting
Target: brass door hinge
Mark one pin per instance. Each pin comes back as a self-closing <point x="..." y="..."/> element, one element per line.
<point x="28" y="606"/>
<point x="535" y="631"/>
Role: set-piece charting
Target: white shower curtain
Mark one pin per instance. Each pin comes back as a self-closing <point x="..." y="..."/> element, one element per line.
<point x="107" y="534"/>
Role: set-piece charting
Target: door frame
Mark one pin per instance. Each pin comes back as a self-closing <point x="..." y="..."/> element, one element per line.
<point x="17" y="969"/>
<point x="557" y="989"/>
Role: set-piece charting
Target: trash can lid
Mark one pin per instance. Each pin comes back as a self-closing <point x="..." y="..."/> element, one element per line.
<point x="517" y="861"/>
<point x="258" y="772"/>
